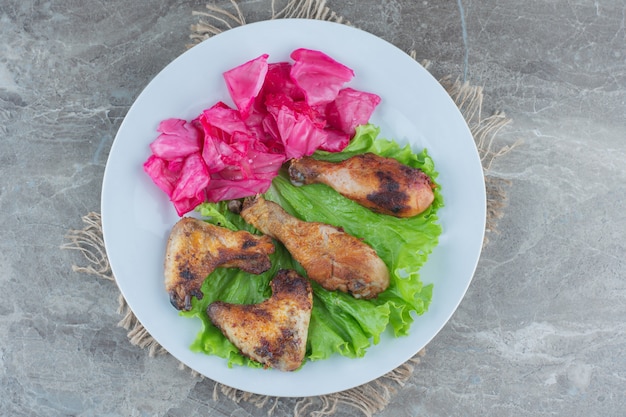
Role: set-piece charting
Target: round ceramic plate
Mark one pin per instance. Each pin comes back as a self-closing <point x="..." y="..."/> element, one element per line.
<point x="137" y="217"/>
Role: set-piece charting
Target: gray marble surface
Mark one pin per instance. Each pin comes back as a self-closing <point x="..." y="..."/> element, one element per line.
<point x="542" y="329"/>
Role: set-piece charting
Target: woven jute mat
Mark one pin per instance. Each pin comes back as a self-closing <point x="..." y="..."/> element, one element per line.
<point x="373" y="396"/>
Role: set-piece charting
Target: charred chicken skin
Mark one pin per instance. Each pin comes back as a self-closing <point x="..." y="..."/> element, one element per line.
<point x="330" y="256"/>
<point x="195" y="248"/>
<point x="381" y="184"/>
<point x="273" y="332"/>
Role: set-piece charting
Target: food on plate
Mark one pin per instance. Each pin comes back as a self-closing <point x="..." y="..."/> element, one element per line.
<point x="281" y="110"/>
<point x="381" y="184"/>
<point x="272" y="332"/>
<point x="285" y="111"/>
<point x="195" y="248"/>
<point x="340" y="323"/>
<point x="331" y="257"/>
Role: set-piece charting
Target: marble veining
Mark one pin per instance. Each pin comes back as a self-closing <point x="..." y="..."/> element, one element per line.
<point x="541" y="330"/>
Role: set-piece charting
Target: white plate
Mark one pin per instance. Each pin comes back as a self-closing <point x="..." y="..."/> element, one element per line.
<point x="137" y="217"/>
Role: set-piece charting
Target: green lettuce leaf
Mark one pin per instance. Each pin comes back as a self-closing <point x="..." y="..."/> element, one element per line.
<point x="340" y="324"/>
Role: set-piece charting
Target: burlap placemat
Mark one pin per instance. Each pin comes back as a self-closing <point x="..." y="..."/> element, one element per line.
<point x="373" y="396"/>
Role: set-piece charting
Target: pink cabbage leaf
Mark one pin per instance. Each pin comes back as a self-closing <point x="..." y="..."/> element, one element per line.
<point x="178" y="138"/>
<point x="318" y="75"/>
<point x="351" y="108"/>
<point x="282" y="110"/>
<point x="245" y="81"/>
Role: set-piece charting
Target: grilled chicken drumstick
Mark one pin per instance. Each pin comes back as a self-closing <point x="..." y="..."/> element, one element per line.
<point x="381" y="184"/>
<point x="195" y="248"/>
<point x="273" y="332"/>
<point x="333" y="258"/>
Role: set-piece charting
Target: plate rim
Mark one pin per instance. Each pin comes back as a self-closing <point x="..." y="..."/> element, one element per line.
<point x="247" y="27"/>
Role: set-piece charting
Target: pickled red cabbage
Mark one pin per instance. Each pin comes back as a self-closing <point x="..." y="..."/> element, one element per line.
<point x="281" y="111"/>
